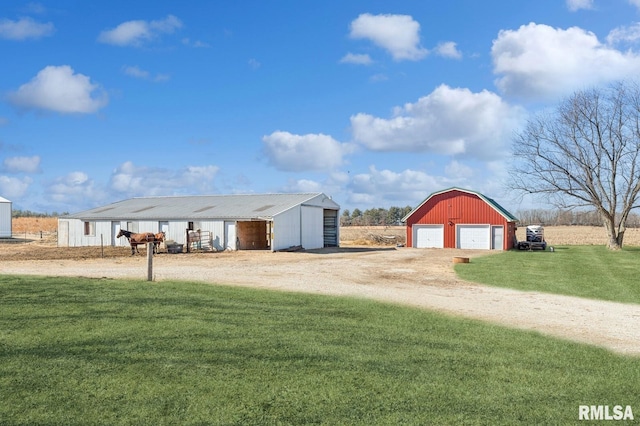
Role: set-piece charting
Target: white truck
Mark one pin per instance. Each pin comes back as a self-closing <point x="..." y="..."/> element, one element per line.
<point x="534" y="239"/>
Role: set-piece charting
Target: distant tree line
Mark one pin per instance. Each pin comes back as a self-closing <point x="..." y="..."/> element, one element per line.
<point x="29" y="213"/>
<point x="374" y="217"/>
<point x="568" y="218"/>
<point x="394" y="215"/>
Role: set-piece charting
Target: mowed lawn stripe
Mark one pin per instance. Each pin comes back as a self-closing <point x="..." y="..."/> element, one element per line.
<point x="81" y="351"/>
<point x="585" y="271"/>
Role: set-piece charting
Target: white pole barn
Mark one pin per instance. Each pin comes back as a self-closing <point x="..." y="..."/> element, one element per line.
<point x="5" y="218"/>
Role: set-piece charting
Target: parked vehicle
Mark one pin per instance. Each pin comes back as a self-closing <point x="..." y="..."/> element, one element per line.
<point x="534" y="239"/>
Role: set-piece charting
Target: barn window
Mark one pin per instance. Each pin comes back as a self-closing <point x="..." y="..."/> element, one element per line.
<point x="89" y="228"/>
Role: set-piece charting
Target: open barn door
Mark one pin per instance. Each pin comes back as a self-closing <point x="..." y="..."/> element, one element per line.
<point x="330" y="229"/>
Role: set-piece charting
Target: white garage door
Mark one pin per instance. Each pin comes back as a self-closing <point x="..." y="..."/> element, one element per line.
<point x="473" y="237"/>
<point x="428" y="236"/>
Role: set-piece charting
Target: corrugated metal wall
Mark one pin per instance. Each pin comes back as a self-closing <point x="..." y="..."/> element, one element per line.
<point x="286" y="229"/>
<point x="5" y="220"/>
<point x="457" y="207"/>
<point x="312" y="227"/>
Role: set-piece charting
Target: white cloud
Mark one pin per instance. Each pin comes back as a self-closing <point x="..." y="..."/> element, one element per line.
<point x="254" y="63"/>
<point x="377" y="78"/>
<point x="630" y="34"/>
<point x="73" y="190"/>
<point x="136" y="33"/>
<point x="358" y="59"/>
<point x="148" y="181"/>
<point x="135" y="71"/>
<point x="196" y="44"/>
<point x="295" y="153"/>
<point x="379" y="187"/>
<point x="574" y="5"/>
<point x="448" y="121"/>
<point x="22" y="164"/>
<point x="25" y="28"/>
<point x="456" y="169"/>
<point x="13" y="187"/>
<point x="59" y="89"/>
<point x="304" y="185"/>
<point x="635" y="3"/>
<point x="35" y="8"/>
<point x="541" y="62"/>
<point x="398" y="34"/>
<point x="448" y="49"/>
<point x="159" y="78"/>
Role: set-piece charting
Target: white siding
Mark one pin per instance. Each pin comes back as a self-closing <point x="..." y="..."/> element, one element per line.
<point x="177" y="231"/>
<point x="5" y="219"/>
<point x="286" y="229"/>
<point x="312" y="227"/>
<point x="152" y="226"/>
<point x="216" y="228"/>
<point x="63" y="233"/>
<point x="71" y="232"/>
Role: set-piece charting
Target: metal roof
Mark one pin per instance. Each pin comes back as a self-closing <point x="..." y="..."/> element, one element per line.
<point x="4" y="200"/>
<point x="246" y="206"/>
<point x="508" y="216"/>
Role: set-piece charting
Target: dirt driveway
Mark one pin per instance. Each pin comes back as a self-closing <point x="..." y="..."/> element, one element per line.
<point x="421" y="278"/>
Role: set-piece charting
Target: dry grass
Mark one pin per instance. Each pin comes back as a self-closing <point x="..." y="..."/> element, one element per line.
<point x="581" y="235"/>
<point x="373" y="235"/>
<point x="32" y="225"/>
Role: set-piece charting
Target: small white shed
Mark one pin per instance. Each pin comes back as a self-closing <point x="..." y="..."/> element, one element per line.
<point x="5" y="218"/>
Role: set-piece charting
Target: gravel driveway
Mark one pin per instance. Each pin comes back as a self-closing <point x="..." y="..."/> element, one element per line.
<point x="421" y="278"/>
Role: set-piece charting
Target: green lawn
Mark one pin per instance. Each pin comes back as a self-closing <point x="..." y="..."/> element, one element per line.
<point x="586" y="271"/>
<point x="76" y="351"/>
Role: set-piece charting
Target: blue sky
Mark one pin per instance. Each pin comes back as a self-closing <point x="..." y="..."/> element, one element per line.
<point x="375" y="103"/>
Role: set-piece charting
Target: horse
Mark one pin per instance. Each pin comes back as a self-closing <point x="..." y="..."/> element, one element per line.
<point x="159" y="238"/>
<point x="137" y="239"/>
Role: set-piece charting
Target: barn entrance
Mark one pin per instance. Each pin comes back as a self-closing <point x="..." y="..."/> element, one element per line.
<point x="330" y="228"/>
<point x="253" y="235"/>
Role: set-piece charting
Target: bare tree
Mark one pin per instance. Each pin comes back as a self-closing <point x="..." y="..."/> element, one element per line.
<point x="585" y="154"/>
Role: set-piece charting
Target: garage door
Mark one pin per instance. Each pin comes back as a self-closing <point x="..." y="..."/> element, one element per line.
<point x="473" y="237"/>
<point x="428" y="236"/>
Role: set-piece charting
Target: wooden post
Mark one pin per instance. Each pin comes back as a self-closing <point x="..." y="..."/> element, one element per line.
<point x="150" y="261"/>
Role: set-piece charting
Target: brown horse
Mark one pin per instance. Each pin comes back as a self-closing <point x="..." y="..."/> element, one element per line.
<point x="159" y="238"/>
<point x="136" y="239"/>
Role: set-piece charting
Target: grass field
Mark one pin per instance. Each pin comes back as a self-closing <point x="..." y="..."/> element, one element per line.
<point x="78" y="351"/>
<point x="586" y="271"/>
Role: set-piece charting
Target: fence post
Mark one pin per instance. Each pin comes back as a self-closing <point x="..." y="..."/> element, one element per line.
<point x="150" y="261"/>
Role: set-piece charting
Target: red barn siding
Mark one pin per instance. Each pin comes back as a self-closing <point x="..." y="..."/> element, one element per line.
<point x="458" y="207"/>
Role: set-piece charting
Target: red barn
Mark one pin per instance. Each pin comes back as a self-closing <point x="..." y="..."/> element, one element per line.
<point x="460" y="218"/>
